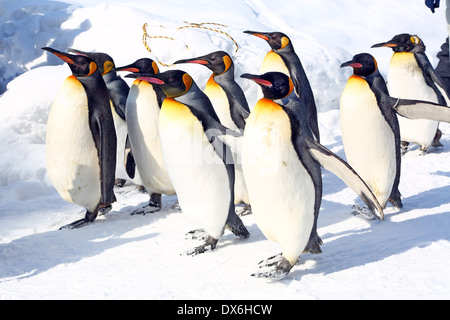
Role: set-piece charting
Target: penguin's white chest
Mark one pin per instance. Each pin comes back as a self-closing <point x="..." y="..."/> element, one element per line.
<point x="281" y="191"/>
<point x="142" y="115"/>
<point x="198" y="174"/>
<point x="72" y="158"/>
<point x="369" y="142"/>
<point x="406" y="81"/>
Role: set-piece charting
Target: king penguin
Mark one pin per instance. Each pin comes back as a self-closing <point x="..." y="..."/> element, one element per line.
<point x="118" y="91"/>
<point x="370" y="130"/>
<point x="282" y="167"/>
<point x="231" y="106"/>
<point x="199" y="164"/>
<point x="411" y="76"/>
<point x="283" y="58"/>
<point x="142" y="113"/>
<point x="81" y="140"/>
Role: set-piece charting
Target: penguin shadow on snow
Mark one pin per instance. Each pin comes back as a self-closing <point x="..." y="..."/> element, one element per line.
<point x="26" y="257"/>
<point x="381" y="239"/>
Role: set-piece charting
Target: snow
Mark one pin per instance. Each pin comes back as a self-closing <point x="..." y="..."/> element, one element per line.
<point x="121" y="256"/>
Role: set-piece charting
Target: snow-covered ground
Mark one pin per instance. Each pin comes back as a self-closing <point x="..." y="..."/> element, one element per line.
<point x="121" y="256"/>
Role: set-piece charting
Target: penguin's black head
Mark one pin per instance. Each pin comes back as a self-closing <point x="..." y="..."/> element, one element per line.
<point x="274" y="85"/>
<point x="81" y="66"/>
<point x="404" y="42"/>
<point x="174" y="83"/>
<point x="104" y="61"/>
<point x="363" y="64"/>
<point x="218" y="62"/>
<point x="144" y="65"/>
<point x="276" y="40"/>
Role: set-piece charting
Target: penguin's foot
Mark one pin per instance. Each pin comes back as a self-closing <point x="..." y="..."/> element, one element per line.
<point x="396" y="203"/>
<point x="404" y="147"/>
<point x="271" y="261"/>
<point x="146" y="210"/>
<point x="142" y="189"/>
<point x="277" y="273"/>
<point x="365" y="212"/>
<point x="210" y="244"/>
<point x="120" y="182"/>
<point x="198" y="234"/>
<point x="239" y="230"/>
<point x="176" y="206"/>
<point x="235" y="225"/>
<point x="437" y="137"/>
<point x="154" y="205"/>
<point x="244" y="210"/>
<point x="104" y="209"/>
<point x="314" y="243"/>
<point x="88" y="218"/>
<point x="423" y="150"/>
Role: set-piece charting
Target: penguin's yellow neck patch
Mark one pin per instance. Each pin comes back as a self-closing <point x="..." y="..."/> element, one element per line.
<point x="356" y="81"/>
<point x="273" y="62"/>
<point x="402" y="57"/>
<point x="107" y="67"/>
<point x="174" y="110"/>
<point x="266" y="106"/>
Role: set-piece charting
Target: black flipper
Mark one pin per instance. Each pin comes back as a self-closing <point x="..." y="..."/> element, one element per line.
<point x="345" y="172"/>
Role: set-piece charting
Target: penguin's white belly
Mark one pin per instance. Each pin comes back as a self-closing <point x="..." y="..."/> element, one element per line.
<point x="221" y="106"/>
<point x="121" y="133"/>
<point x="281" y="191"/>
<point x="197" y="172"/>
<point x="142" y="115"/>
<point x="369" y="142"/>
<point x="71" y="155"/>
<point x="406" y="81"/>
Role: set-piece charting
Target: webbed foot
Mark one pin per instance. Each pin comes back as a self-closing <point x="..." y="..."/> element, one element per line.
<point x="210" y="244"/>
<point x="275" y="273"/>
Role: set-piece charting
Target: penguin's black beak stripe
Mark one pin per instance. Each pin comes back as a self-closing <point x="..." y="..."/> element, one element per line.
<point x="63" y="56"/>
<point x="258" y="34"/>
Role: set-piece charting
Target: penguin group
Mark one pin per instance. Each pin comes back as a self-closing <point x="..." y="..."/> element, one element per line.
<point x="214" y="151"/>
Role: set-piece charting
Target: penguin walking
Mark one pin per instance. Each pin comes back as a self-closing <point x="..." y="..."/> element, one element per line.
<point x="411" y="76"/>
<point x="230" y="104"/>
<point x="118" y="91"/>
<point x="199" y="164"/>
<point x="283" y="58"/>
<point x="282" y="167"/>
<point x="370" y="130"/>
<point x="142" y="113"/>
<point x="81" y="140"/>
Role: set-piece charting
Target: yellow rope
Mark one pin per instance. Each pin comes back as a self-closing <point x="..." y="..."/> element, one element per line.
<point x="144" y="40"/>
<point x="200" y="26"/>
<point x="190" y="25"/>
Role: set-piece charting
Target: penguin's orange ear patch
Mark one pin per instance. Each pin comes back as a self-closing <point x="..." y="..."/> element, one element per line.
<point x="107" y="67"/>
<point x="92" y="68"/>
<point x="155" y="67"/>
<point x="187" y="80"/>
<point x="227" y="62"/>
<point x="284" y="42"/>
